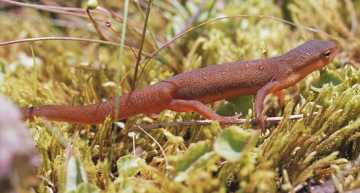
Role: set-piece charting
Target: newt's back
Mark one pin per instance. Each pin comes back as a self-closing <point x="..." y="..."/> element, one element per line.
<point x="222" y="81"/>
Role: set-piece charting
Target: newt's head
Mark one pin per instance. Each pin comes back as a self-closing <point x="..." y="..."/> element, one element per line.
<point x="313" y="55"/>
<point x="304" y="59"/>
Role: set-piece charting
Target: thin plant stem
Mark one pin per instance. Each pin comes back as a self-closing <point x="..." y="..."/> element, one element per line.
<point x="56" y="9"/>
<point x="59" y="38"/>
<point x="152" y="35"/>
<point x="79" y="12"/>
<point x="44" y="7"/>
<point x="158" y="144"/>
<point x="96" y="26"/>
<point x="138" y="59"/>
<point x="121" y="55"/>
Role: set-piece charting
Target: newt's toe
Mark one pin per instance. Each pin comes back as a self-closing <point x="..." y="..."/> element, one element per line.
<point x="261" y="123"/>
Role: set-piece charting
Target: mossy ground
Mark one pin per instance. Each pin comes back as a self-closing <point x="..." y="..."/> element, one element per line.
<point x="106" y="158"/>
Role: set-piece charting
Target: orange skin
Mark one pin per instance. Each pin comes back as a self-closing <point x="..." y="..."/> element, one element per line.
<point x="190" y="91"/>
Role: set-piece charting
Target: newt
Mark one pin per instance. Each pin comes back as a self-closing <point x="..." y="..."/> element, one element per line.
<point x="191" y="91"/>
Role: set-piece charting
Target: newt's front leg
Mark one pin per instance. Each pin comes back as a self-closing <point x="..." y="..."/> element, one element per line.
<point x="196" y="106"/>
<point x="293" y="91"/>
<point x="259" y="103"/>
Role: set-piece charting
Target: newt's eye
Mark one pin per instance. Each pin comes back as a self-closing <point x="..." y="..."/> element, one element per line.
<point x="326" y="53"/>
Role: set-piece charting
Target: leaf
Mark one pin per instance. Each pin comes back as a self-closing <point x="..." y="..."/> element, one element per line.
<point x="236" y="105"/>
<point x="195" y="151"/>
<point x="129" y="165"/>
<point x="75" y="174"/>
<point x="205" y="161"/>
<point x="233" y="141"/>
<point x="198" y="157"/>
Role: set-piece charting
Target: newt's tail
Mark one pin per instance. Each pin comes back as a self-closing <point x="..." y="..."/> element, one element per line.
<point x="152" y="99"/>
<point x="89" y="114"/>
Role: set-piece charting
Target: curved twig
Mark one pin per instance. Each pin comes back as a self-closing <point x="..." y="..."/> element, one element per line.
<point x="53" y="38"/>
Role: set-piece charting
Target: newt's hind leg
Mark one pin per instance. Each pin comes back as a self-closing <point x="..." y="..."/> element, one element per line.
<point x="196" y="106"/>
